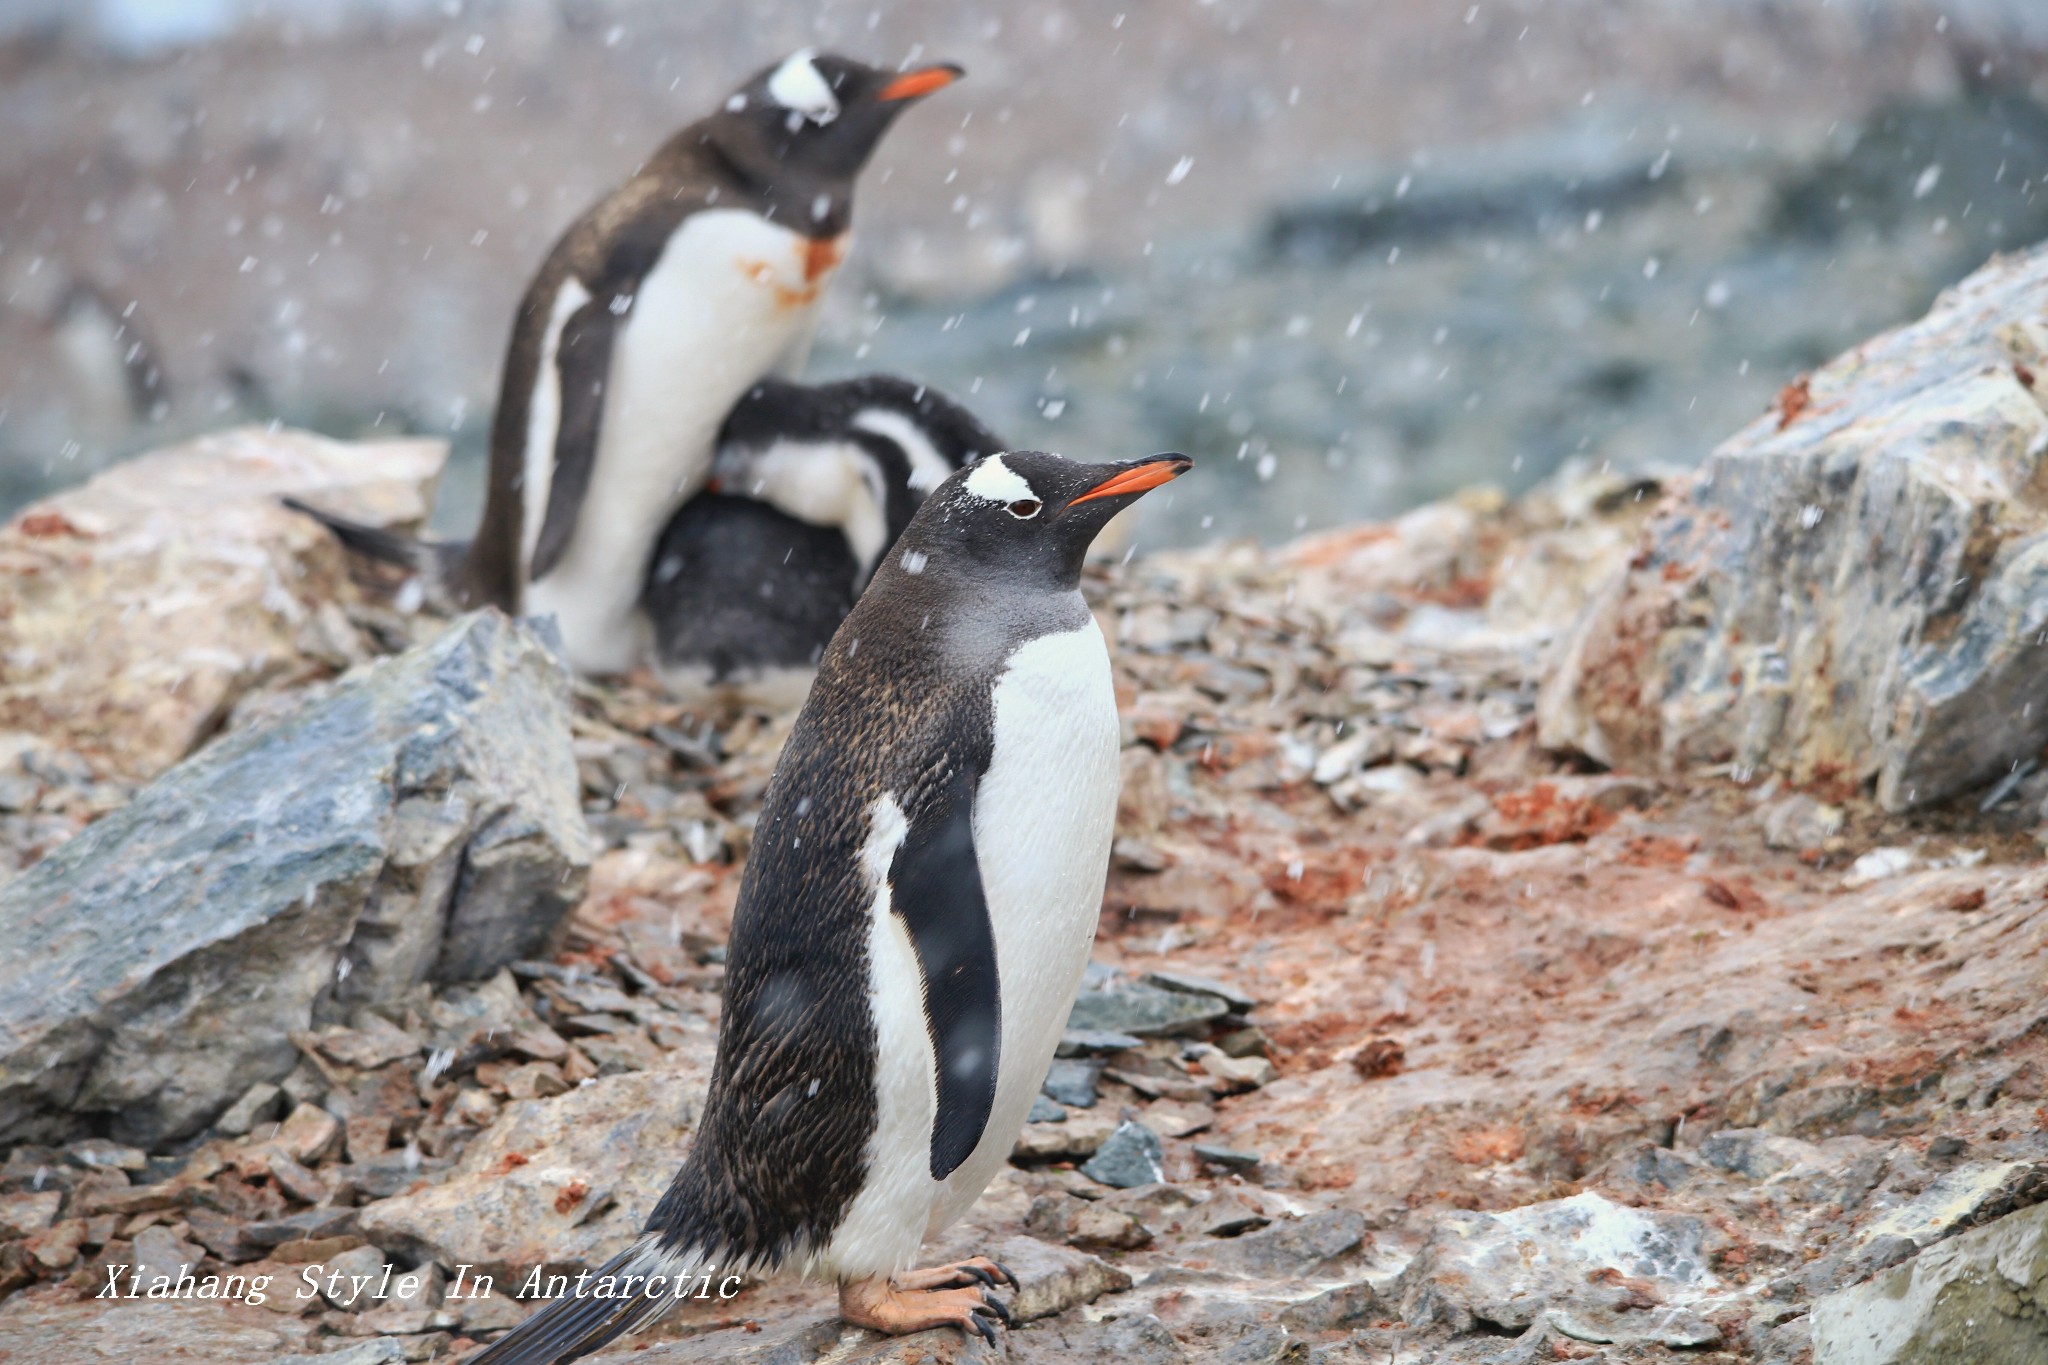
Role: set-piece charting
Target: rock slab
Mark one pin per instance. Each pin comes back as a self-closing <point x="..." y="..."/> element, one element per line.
<point x="419" y="821"/>
<point x="1853" y="589"/>
<point x="1977" y="1299"/>
<point x="137" y="609"/>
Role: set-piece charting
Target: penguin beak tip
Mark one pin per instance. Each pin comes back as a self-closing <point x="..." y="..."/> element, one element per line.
<point x="921" y="82"/>
<point x="1139" y="478"/>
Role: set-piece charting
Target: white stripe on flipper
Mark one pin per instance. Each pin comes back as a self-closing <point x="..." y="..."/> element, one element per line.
<point x="997" y="482"/>
<point x="886" y="1222"/>
<point x="928" y="468"/>
<point x="543" y="417"/>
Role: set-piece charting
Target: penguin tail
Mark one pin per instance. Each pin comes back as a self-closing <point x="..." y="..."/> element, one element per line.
<point x="435" y="562"/>
<point x="623" y="1295"/>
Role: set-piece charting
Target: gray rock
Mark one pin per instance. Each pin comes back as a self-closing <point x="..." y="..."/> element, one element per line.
<point x="1131" y="1156"/>
<point x="1130" y="1007"/>
<point x="1201" y="985"/>
<point x="1562" y="1263"/>
<point x="1130" y="1339"/>
<point x="1296" y="1246"/>
<point x="417" y="822"/>
<point x="1072" y="1081"/>
<point x="1227" y="1157"/>
<point x="1335" y="1309"/>
<point x="1083" y="1042"/>
<point x="1052" y="1279"/>
<point x="381" y="1351"/>
<point x="54" y="1331"/>
<point x="1044" y="1110"/>
<point x="1974" y="1300"/>
<point x="1855" y="587"/>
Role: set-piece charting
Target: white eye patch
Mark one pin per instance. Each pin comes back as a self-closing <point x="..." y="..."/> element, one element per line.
<point x="800" y="87"/>
<point x="997" y="482"/>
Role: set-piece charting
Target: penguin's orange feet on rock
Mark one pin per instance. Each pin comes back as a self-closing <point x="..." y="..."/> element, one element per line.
<point x="974" y="1270"/>
<point x="886" y="1305"/>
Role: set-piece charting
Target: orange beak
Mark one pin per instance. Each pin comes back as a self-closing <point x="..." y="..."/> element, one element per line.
<point x="1149" y="475"/>
<point x="913" y="84"/>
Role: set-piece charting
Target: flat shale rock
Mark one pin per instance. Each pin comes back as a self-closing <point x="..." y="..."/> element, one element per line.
<point x="1585" y="1266"/>
<point x="1855" y="587"/>
<point x="1977" y="1299"/>
<point x="419" y="821"/>
<point x="52" y="1329"/>
<point x="135" y="610"/>
<point x="562" y="1183"/>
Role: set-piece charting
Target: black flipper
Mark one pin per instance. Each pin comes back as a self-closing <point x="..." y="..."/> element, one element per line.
<point x="935" y="884"/>
<point x="583" y="362"/>
<point x="435" y="561"/>
<point x="571" y="1327"/>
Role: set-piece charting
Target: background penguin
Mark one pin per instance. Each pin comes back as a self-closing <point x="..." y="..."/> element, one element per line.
<point x="912" y="924"/>
<point x="653" y="313"/>
<point x="816" y="482"/>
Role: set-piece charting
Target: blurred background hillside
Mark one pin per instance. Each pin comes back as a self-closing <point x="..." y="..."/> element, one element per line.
<point x="1352" y="255"/>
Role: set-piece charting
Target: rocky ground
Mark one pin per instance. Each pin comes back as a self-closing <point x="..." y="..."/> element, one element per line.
<point x="1408" y="1037"/>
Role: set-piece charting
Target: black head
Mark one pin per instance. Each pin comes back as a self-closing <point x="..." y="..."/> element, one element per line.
<point x="1025" y="518"/>
<point x="815" y="117"/>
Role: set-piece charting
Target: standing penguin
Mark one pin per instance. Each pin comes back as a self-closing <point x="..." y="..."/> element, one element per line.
<point x="815" y="483"/>
<point x="912" y="924"/>
<point x="654" y="312"/>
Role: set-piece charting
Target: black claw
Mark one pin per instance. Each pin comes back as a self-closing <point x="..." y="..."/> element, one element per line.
<point x="999" y="1308"/>
<point x="983" y="1327"/>
<point x="978" y="1275"/>
<point x="1008" y="1274"/>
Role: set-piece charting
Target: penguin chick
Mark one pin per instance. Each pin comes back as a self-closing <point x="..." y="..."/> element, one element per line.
<point x="650" y="317"/>
<point x="912" y="924"/>
<point x="815" y="483"/>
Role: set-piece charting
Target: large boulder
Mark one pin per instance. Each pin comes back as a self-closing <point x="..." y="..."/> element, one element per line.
<point x="419" y="821"/>
<point x="1853" y="589"/>
<point x="137" y="609"/>
<point x="1977" y="1299"/>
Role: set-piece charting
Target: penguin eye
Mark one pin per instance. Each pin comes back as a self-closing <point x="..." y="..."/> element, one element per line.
<point x="1023" y="509"/>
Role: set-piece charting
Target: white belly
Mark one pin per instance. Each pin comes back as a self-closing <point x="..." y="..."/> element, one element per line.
<point x="1044" y="817"/>
<point x="732" y="299"/>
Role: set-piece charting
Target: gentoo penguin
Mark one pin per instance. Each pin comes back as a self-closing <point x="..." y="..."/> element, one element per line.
<point x="815" y="482"/>
<point x="912" y="923"/>
<point x="651" y="316"/>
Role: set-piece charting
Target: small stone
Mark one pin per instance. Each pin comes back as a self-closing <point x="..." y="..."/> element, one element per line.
<point x="1132" y="1007"/>
<point x="382" y="1351"/>
<point x="1298" y="1246"/>
<point x="1044" y="1110"/>
<point x="1335" y="1309"/>
<point x="1053" y="1279"/>
<point x="1227" y="1157"/>
<point x="158" y="1253"/>
<point x="344" y="1273"/>
<point x="1234" y="1075"/>
<point x="1084" y="1042"/>
<point x="300" y="1182"/>
<point x="1072" y="1081"/>
<point x="1177" y="1118"/>
<point x="375" y="1044"/>
<point x="1131" y="1156"/>
<point x="491" y="1313"/>
<point x="1201" y="985"/>
<point x="1226" y="1215"/>
<point x="1878" y="865"/>
<point x="258" y="1104"/>
<point x="1135" y="855"/>
<point x="309" y="1133"/>
<point x="56" y="1247"/>
<point x="98" y="1153"/>
<point x="1077" y="1139"/>
<point x="22" y="1214"/>
<point x="299" y="1227"/>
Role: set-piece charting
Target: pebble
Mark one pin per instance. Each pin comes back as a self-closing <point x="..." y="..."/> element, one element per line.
<point x="1044" y="1110"/>
<point x="1132" y="1156"/>
<point x="1072" y="1081"/>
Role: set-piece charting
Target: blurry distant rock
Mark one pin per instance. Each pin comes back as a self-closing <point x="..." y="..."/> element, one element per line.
<point x="1535" y="183"/>
<point x="1593" y="1269"/>
<point x="136" y="609"/>
<point x="51" y="1329"/>
<point x="417" y="822"/>
<point x="1855" y="588"/>
<point x="562" y="1182"/>
<point x="1975" y="1298"/>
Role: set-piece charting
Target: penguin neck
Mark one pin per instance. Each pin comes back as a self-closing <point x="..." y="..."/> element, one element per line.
<point x="968" y="624"/>
<point x="809" y="203"/>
